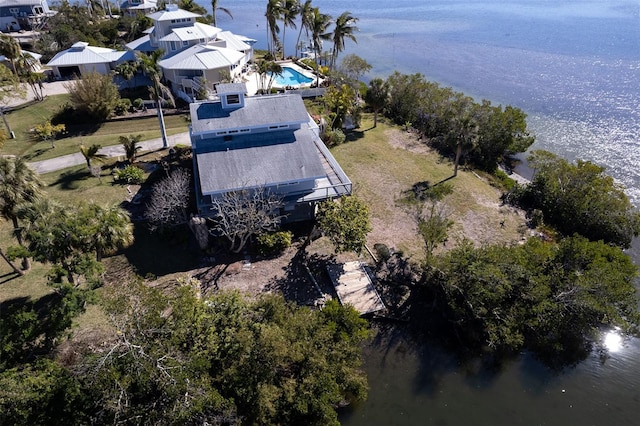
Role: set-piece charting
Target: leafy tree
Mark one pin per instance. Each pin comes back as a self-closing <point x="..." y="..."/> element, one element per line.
<point x="433" y="227"/>
<point x="214" y="11"/>
<point x="345" y="222"/>
<point x="169" y="202"/>
<point x="239" y="215"/>
<point x="94" y="95"/>
<point x="344" y="29"/>
<point x="551" y="299"/>
<point x="342" y="102"/>
<point x="581" y="198"/>
<point x="49" y="132"/>
<point x="130" y="144"/>
<point x="353" y="67"/>
<point x="182" y="358"/>
<point x="376" y="97"/>
<point x="18" y="184"/>
<point x="150" y="65"/>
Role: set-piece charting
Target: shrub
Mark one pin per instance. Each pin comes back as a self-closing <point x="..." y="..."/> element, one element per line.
<point x="333" y="137"/>
<point x="94" y="94"/>
<point x="137" y="103"/>
<point x="123" y="106"/>
<point x="382" y="251"/>
<point x="503" y="180"/>
<point x="274" y="242"/>
<point x="129" y="175"/>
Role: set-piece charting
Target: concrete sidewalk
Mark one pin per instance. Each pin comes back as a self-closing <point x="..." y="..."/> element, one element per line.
<point x="65" y="161"/>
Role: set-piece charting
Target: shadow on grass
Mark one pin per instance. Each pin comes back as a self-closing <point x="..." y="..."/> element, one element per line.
<point x="154" y="254"/>
<point x="70" y="180"/>
<point x="38" y="152"/>
<point x="9" y="276"/>
<point x="354" y="135"/>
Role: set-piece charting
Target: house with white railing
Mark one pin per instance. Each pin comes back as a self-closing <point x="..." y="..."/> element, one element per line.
<point x="270" y="143"/>
<point x="16" y="15"/>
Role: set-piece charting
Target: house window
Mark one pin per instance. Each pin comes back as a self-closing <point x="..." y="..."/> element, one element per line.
<point x="14" y="11"/>
<point x="233" y="99"/>
<point x="173" y="45"/>
<point x="38" y="10"/>
<point x="185" y="43"/>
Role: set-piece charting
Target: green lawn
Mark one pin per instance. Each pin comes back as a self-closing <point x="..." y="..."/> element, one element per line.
<point x="105" y="134"/>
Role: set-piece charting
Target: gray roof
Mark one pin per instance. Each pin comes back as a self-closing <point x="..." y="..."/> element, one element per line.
<point x="252" y="160"/>
<point x="202" y="57"/>
<point x="258" y="111"/>
<point x="224" y="88"/>
<point x="142" y="44"/>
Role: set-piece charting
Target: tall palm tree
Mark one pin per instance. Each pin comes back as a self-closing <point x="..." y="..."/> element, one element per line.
<point x="130" y="144"/>
<point x="18" y="184"/>
<point x="127" y="70"/>
<point x="112" y="229"/>
<point x="344" y="28"/>
<point x="273" y="13"/>
<point x="215" y="8"/>
<point x="27" y="69"/>
<point x="319" y="24"/>
<point x="10" y="48"/>
<point x="91" y="153"/>
<point x="149" y="65"/>
<point x="464" y="129"/>
<point x="306" y="21"/>
<point x="192" y="6"/>
<point x="289" y="14"/>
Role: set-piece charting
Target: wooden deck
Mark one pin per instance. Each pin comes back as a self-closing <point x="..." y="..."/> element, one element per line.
<point x="354" y="287"/>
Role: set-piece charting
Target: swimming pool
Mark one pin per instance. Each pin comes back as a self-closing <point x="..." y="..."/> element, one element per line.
<point x="291" y="77"/>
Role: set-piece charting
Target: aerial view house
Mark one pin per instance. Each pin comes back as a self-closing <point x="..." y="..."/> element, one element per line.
<point x="244" y="142"/>
<point x="16" y="15"/>
<point x="193" y="51"/>
<point x="133" y="7"/>
<point x="82" y="58"/>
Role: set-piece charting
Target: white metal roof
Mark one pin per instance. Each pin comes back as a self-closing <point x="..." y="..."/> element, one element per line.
<point x="196" y="32"/>
<point x="202" y="57"/>
<point x="234" y="41"/>
<point x="171" y="12"/>
<point x="82" y="53"/>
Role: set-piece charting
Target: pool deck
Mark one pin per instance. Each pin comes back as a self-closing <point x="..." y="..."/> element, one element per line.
<point x="303" y="71"/>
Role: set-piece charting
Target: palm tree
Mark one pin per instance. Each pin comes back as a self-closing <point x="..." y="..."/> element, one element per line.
<point x="273" y="13"/>
<point x="344" y="29"/>
<point x="273" y="69"/>
<point x="306" y="21"/>
<point x="319" y="24"/>
<point x="27" y="67"/>
<point x="130" y="144"/>
<point x="112" y="229"/>
<point x="215" y="8"/>
<point x="10" y="48"/>
<point x="289" y="14"/>
<point x="127" y="70"/>
<point x="151" y="68"/>
<point x="376" y="97"/>
<point x="18" y="184"/>
<point x="192" y="6"/>
<point x="91" y="153"/>
<point x="464" y="129"/>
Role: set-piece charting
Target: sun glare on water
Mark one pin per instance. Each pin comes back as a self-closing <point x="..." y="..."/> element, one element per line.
<point x="613" y="341"/>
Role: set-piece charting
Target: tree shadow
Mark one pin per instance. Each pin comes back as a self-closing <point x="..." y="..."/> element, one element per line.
<point x="9" y="276"/>
<point x="37" y="153"/>
<point x="306" y="281"/>
<point x="354" y="135"/>
<point x="70" y="179"/>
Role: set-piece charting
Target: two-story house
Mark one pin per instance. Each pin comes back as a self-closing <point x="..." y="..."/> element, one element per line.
<point x="16" y="15"/>
<point x="244" y="142"/>
<point x="193" y="51"/>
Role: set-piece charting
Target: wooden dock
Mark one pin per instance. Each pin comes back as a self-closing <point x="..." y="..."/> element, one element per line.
<point x="354" y="287"/>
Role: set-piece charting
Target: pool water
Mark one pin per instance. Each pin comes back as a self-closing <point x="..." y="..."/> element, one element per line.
<point x="291" y="77"/>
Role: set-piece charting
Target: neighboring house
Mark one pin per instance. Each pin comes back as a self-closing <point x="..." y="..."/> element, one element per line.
<point x="35" y="63"/>
<point x="16" y="15"/>
<point x="82" y="58"/>
<point x="246" y="142"/>
<point x="134" y="7"/>
<point x="193" y="51"/>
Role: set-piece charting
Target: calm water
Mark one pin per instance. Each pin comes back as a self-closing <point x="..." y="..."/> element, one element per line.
<point x="574" y="67"/>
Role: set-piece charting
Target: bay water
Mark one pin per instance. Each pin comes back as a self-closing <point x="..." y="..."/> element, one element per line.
<point x="574" y="67"/>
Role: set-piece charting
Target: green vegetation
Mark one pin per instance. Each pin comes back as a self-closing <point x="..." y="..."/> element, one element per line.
<point x="346" y="223"/>
<point x="579" y="198"/>
<point x="272" y="243"/>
